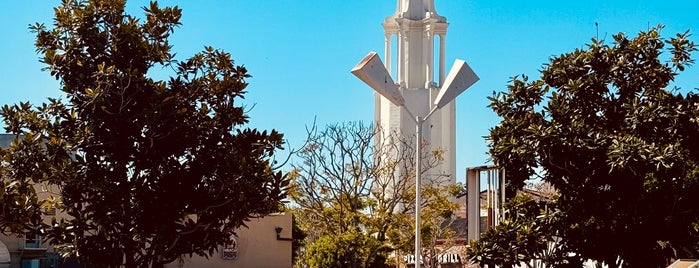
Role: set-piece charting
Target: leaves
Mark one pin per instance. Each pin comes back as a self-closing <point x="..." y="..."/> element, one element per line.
<point x="614" y="140"/>
<point x="146" y="170"/>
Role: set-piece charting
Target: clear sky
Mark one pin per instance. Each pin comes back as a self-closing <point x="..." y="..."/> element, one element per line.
<point x="299" y="52"/>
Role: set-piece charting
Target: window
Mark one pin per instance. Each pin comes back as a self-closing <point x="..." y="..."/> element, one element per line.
<point x="31" y="240"/>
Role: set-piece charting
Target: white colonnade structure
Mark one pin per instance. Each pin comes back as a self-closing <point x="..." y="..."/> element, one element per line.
<point x="416" y="98"/>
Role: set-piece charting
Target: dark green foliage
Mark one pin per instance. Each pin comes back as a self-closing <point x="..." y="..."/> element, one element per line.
<point x="528" y="232"/>
<point x="618" y="145"/>
<point x="147" y="170"/>
<point x="350" y="249"/>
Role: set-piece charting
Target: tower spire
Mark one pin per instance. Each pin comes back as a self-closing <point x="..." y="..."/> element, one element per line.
<point x="417" y="63"/>
<point x="416" y="24"/>
<point x="415" y="9"/>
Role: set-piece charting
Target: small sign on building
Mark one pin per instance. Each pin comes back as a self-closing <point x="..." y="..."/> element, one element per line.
<point x="230" y="249"/>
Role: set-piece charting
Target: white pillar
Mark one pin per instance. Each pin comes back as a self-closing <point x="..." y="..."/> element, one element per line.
<point x="387" y="52"/>
<point x="442" y="60"/>
<point x="404" y="67"/>
<point x="473" y="203"/>
<point x="428" y="59"/>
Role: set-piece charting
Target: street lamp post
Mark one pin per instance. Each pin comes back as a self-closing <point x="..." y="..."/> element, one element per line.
<point x="373" y="72"/>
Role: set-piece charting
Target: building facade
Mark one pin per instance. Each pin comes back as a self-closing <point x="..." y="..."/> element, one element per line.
<point x="266" y="243"/>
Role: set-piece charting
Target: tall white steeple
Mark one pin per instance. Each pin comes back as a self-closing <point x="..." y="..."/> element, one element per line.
<point x="419" y="33"/>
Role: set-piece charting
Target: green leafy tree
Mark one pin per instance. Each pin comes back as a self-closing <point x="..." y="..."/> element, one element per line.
<point x="353" y="190"/>
<point x="349" y="249"/>
<point x="616" y="141"/>
<point x="148" y="170"/>
<point x="531" y="231"/>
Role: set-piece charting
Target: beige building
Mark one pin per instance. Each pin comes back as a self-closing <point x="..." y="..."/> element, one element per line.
<point x="264" y="244"/>
<point x="28" y="250"/>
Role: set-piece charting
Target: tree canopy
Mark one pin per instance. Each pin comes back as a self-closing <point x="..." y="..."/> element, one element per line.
<point x="354" y="194"/>
<point x="147" y="170"/>
<point x="616" y="140"/>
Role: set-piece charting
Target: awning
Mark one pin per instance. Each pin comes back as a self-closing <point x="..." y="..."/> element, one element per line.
<point x="684" y="263"/>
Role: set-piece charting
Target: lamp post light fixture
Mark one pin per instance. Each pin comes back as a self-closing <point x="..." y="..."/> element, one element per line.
<point x="373" y="72"/>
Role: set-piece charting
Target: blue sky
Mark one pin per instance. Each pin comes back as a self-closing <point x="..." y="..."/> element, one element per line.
<point x="300" y="52"/>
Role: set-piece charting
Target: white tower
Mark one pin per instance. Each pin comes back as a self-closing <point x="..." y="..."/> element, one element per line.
<point x="415" y="25"/>
<point x="415" y="98"/>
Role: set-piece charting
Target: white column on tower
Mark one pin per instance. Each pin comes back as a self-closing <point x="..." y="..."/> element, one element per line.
<point x="428" y="58"/>
<point x="387" y="47"/>
<point x="442" y="56"/>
